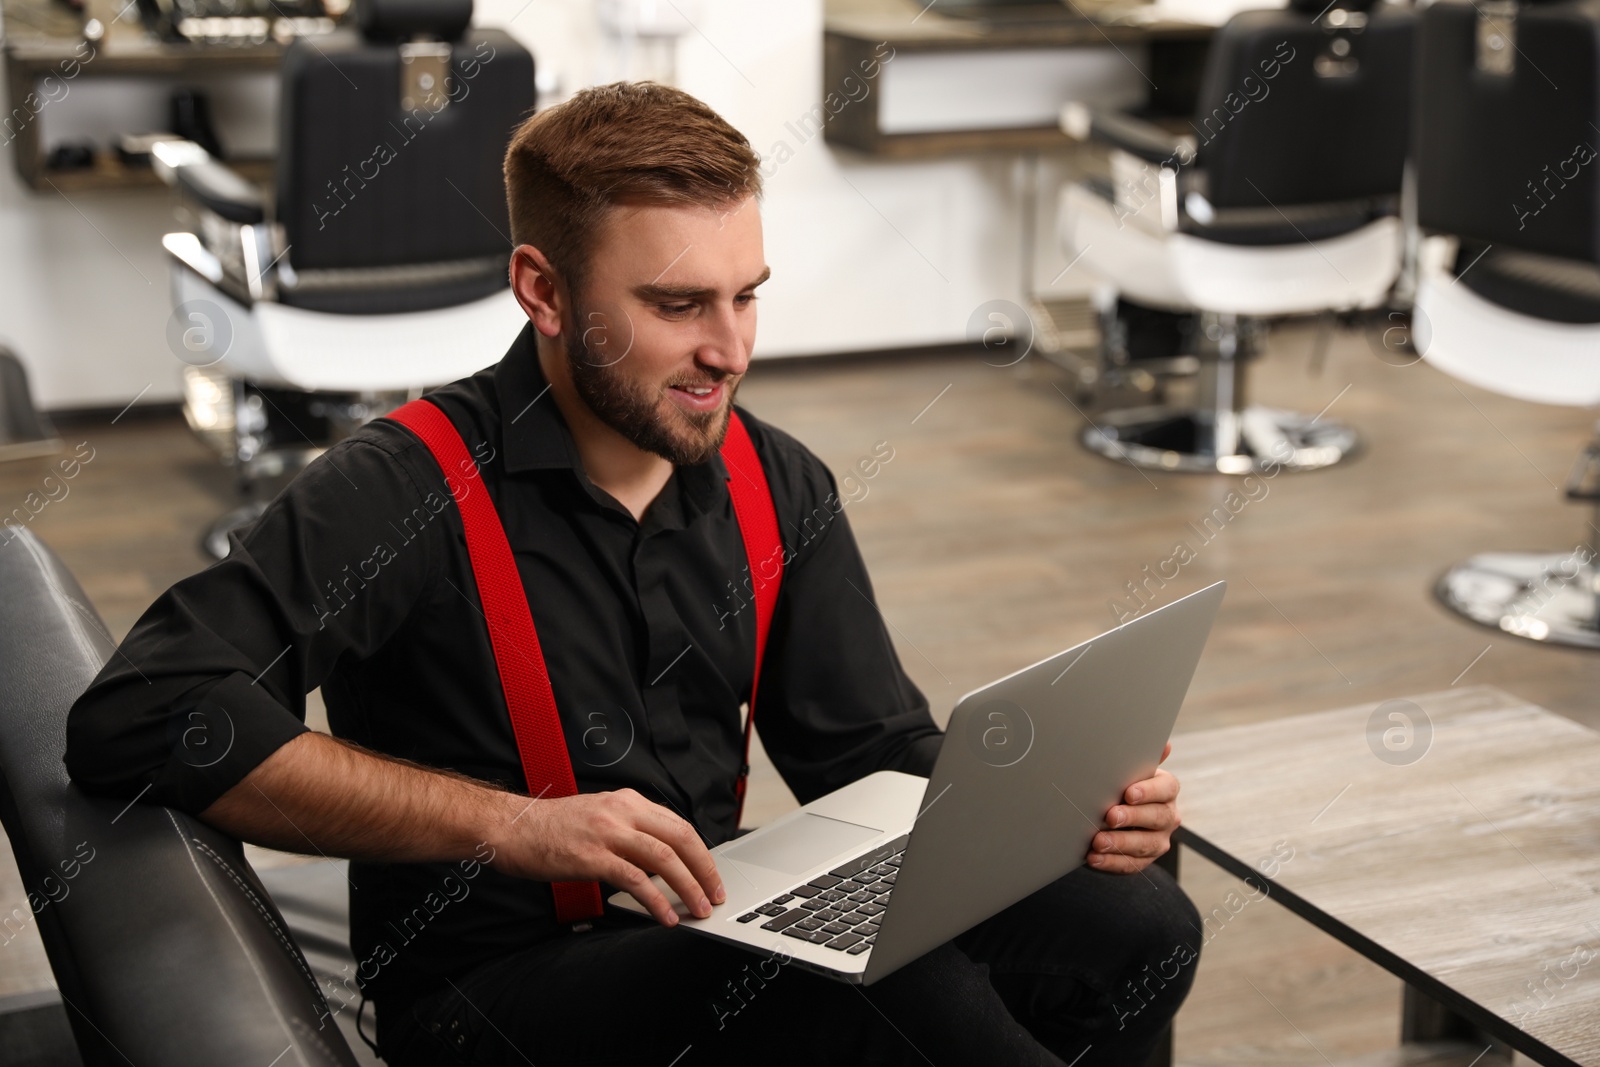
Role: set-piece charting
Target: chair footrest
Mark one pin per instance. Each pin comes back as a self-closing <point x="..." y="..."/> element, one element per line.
<point x="1200" y="440"/>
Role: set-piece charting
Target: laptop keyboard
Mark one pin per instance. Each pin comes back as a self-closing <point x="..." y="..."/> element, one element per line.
<point x="840" y="910"/>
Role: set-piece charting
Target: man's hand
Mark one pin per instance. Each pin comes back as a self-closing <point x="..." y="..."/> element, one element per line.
<point x="1141" y="826"/>
<point x="318" y="794"/>
<point x="617" y="837"/>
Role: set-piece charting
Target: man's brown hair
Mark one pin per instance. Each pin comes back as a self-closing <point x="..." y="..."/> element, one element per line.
<point x="624" y="143"/>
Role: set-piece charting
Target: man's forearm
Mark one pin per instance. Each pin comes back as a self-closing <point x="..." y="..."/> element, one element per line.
<point x="319" y="794"/>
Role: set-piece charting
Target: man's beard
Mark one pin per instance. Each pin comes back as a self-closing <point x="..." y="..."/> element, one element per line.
<point x="634" y="410"/>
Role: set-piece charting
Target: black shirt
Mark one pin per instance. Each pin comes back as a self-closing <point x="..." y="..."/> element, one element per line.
<point x="357" y="579"/>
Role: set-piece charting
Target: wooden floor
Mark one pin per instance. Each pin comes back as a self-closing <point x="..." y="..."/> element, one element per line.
<point x="994" y="540"/>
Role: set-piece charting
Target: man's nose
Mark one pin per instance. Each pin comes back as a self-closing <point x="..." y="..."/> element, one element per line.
<point x="723" y="345"/>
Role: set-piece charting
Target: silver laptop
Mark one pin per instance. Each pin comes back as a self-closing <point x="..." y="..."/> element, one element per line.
<point x="864" y="880"/>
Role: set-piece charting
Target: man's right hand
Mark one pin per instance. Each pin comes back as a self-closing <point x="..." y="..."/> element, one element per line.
<point x="316" y="794"/>
<point x="618" y="837"/>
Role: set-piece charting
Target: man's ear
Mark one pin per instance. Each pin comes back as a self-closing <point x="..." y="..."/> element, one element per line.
<point x="537" y="288"/>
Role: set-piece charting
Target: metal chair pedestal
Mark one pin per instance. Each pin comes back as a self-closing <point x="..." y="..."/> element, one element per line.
<point x="1220" y="433"/>
<point x="1543" y="596"/>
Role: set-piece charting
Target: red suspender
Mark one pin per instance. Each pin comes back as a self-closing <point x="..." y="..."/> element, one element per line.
<point x="763" y="549"/>
<point x="545" y="763"/>
<point x="546" y="766"/>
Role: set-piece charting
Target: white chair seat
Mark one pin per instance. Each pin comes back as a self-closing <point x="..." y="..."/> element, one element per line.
<point x="1498" y="349"/>
<point x="1182" y="272"/>
<point x="273" y="344"/>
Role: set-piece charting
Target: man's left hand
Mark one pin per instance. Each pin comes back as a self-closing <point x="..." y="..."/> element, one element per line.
<point x="1141" y="826"/>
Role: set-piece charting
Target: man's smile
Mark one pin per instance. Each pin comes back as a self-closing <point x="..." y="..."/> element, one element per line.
<point x="698" y="397"/>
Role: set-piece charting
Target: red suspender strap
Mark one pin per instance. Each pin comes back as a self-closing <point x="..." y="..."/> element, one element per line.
<point x="546" y="766"/>
<point x="763" y="549"/>
<point x="540" y="743"/>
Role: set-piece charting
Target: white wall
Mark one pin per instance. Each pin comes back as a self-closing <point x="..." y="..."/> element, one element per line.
<point x="865" y="254"/>
<point x="84" y="291"/>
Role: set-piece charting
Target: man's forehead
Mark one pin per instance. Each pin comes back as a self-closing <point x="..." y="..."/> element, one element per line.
<point x="703" y="246"/>
<point x="707" y="222"/>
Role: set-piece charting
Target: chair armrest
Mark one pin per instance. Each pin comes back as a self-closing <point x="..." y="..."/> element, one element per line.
<point x="187" y="167"/>
<point x="1145" y="140"/>
<point x="216" y="188"/>
<point x="160" y="936"/>
<point x="232" y="246"/>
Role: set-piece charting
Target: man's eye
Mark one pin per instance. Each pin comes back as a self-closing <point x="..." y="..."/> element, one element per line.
<point x="676" y="309"/>
<point x="744" y="299"/>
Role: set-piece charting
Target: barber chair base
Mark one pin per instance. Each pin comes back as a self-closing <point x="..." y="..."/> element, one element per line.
<point x="1177" y="439"/>
<point x="1543" y="596"/>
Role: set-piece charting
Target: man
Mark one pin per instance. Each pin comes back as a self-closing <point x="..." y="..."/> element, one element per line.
<point x="638" y="253"/>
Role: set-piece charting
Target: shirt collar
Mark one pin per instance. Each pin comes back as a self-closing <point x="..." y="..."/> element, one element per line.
<point x="534" y="435"/>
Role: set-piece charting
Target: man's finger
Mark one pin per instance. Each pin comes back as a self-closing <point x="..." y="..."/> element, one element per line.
<point x="676" y="832"/>
<point x="637" y="884"/>
<point x="1142" y="843"/>
<point x="1109" y="864"/>
<point x="1143" y="817"/>
<point x="658" y="857"/>
<point x="1159" y="788"/>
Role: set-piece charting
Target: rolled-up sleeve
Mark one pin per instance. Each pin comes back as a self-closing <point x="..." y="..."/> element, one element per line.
<point x="213" y="677"/>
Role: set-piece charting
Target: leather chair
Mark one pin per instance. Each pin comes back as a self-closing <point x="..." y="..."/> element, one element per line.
<point x="1508" y="295"/>
<point x="165" y="945"/>
<point x="1280" y="200"/>
<point x="381" y="270"/>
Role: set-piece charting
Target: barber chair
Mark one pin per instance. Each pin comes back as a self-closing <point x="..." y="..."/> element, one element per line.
<point x="1281" y="200"/>
<point x="381" y="270"/>
<point x="166" y="947"/>
<point x="1508" y="294"/>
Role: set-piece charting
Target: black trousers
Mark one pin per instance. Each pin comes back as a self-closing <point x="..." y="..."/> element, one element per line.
<point x="1086" y="971"/>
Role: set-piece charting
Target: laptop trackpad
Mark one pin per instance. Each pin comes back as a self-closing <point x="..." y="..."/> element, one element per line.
<point x="800" y="844"/>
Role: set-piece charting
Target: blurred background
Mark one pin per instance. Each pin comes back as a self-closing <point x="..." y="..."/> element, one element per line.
<point x="1138" y="295"/>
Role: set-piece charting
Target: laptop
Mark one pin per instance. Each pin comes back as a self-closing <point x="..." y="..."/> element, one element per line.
<point x="856" y="884"/>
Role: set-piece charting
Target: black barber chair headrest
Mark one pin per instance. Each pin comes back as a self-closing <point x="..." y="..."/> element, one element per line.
<point x="393" y="20"/>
